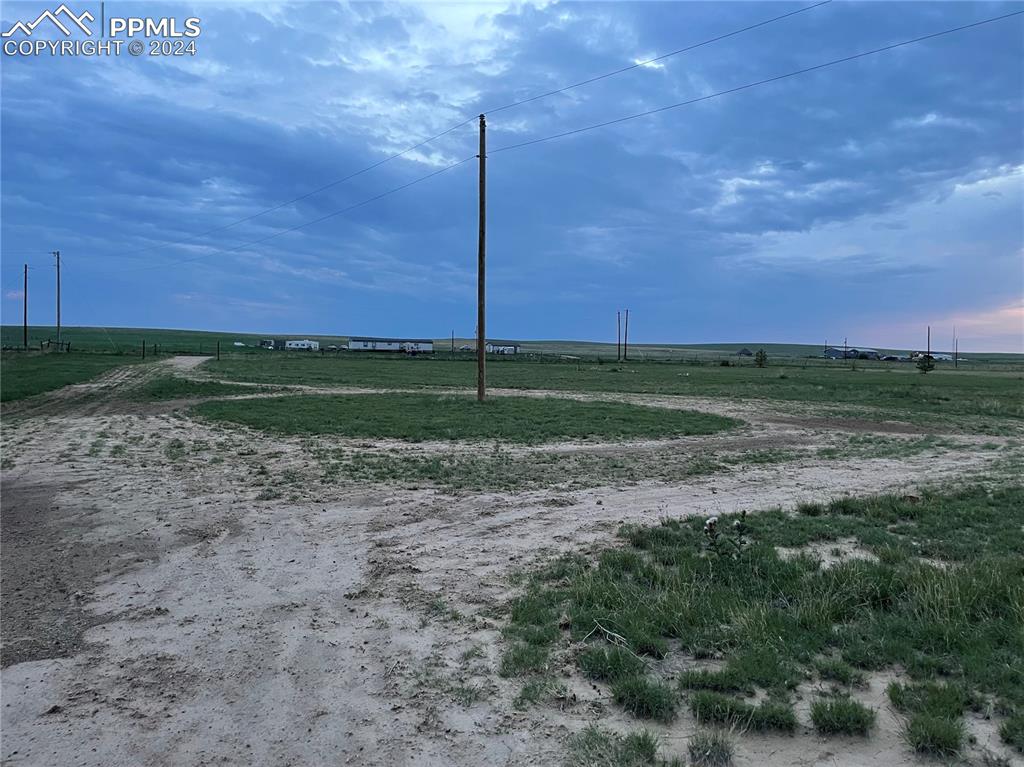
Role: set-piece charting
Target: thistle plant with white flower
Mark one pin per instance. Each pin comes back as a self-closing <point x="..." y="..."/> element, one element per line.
<point x="724" y="545"/>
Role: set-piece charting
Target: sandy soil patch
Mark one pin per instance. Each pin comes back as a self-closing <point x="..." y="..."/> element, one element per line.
<point x="156" y="612"/>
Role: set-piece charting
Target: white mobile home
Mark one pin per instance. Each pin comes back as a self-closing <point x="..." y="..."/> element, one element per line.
<point x="408" y="345"/>
<point x="502" y="347"/>
<point x="304" y="345"/>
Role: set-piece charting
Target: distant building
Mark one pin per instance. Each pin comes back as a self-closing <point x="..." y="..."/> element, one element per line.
<point x="502" y="347"/>
<point x="408" y="345"/>
<point x="744" y="353"/>
<point x="303" y="345"/>
<point x="851" y="354"/>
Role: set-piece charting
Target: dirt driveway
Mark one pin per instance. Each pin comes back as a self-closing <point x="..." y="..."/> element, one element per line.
<point x="158" y="609"/>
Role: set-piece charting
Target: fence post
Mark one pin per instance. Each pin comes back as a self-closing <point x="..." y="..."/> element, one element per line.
<point x="143" y="348"/>
<point x="218" y="351"/>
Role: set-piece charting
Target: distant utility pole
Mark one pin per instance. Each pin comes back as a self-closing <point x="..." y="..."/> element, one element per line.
<point x="929" y="342"/>
<point x="625" y="340"/>
<point x="56" y="255"/>
<point x="25" y="310"/>
<point x="618" y="336"/>
<point x="481" y="335"/>
<point x="955" y="349"/>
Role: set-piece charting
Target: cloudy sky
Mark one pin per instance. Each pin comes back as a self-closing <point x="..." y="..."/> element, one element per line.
<point x="863" y="200"/>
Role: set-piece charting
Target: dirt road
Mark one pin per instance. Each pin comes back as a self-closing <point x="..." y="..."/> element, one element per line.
<point x="160" y="609"/>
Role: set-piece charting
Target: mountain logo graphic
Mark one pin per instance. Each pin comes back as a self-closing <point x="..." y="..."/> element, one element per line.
<point x="55" y="17"/>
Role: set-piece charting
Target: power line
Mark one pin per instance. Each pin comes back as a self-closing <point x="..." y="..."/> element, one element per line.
<point x="453" y="128"/>
<point x="765" y="81"/>
<point x="580" y="130"/>
<point x="655" y="59"/>
<point x="303" y="225"/>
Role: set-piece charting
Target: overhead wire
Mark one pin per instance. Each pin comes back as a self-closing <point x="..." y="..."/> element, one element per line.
<point x="747" y="86"/>
<point x="510" y="105"/>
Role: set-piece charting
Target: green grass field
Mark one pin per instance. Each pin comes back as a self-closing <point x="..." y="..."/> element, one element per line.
<point x="23" y="375"/>
<point x="418" y="417"/>
<point x="899" y="391"/>
<point x="175" y="387"/>
<point x="938" y="592"/>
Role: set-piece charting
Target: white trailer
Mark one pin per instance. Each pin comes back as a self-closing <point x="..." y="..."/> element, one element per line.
<point x="408" y="345"/>
<point x="304" y="345"/>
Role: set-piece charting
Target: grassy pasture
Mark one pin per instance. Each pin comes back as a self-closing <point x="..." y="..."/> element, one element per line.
<point x="175" y="387"/>
<point x="418" y="417"/>
<point x="23" y="375"/>
<point x="897" y="391"/>
<point x="940" y="595"/>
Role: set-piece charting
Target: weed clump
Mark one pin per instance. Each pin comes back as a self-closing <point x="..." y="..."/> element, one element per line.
<point x="721" y="709"/>
<point x="594" y="747"/>
<point x="645" y="699"/>
<point x="609" y="664"/>
<point x="522" y="658"/>
<point x="934" y="735"/>
<point x="841" y="716"/>
<point x="1012" y="731"/>
<point x="710" y="748"/>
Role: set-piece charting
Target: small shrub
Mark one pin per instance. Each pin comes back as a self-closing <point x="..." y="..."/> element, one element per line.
<point x="609" y="664"/>
<point x="841" y="716"/>
<point x="645" y="699"/>
<point x="710" y="748"/>
<point x="934" y="735"/>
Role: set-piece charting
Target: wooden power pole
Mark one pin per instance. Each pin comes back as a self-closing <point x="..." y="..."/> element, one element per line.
<point x="56" y="255"/>
<point x="24" y="315"/>
<point x="625" y="340"/>
<point x="618" y="336"/>
<point x="481" y="334"/>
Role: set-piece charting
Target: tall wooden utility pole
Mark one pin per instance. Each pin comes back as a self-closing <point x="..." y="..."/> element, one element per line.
<point x="625" y="340"/>
<point x="56" y="255"/>
<point x="929" y="342"/>
<point x="481" y="334"/>
<point x="24" y="319"/>
<point x="618" y="336"/>
<point x="955" y="356"/>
